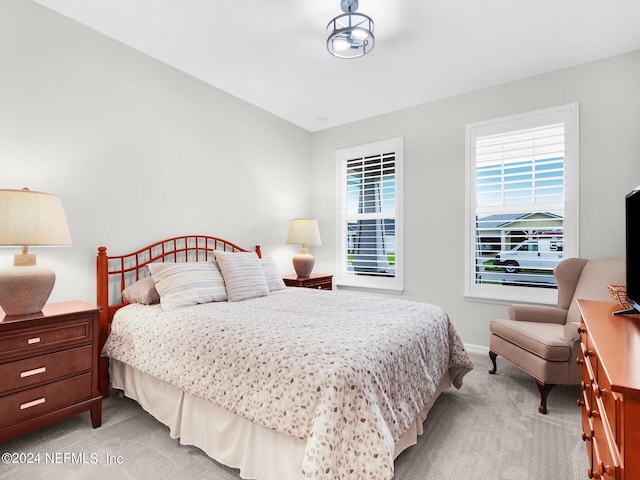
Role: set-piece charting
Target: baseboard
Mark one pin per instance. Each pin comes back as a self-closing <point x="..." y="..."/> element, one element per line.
<point x="479" y="349"/>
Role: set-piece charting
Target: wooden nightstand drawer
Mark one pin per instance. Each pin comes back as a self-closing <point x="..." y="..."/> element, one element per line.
<point x="319" y="284"/>
<point x="316" y="280"/>
<point x="29" y="341"/>
<point x="36" y="401"/>
<point x="25" y="373"/>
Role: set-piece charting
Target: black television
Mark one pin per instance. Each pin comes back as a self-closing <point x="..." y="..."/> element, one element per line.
<point x="632" y="209"/>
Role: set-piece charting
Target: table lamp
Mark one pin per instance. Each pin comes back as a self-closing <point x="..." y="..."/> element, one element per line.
<point x="29" y="219"/>
<point x="303" y="232"/>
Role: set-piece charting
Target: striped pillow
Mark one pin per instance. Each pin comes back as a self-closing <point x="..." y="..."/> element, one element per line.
<point x="272" y="275"/>
<point x="184" y="284"/>
<point x="243" y="275"/>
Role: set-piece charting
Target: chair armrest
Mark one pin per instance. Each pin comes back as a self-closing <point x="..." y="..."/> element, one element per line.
<point x="537" y="313"/>
<point x="571" y="333"/>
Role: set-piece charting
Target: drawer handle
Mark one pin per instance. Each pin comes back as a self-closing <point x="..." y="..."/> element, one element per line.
<point x="33" y="403"/>
<point x="33" y="340"/>
<point x="586" y="437"/>
<point x="579" y="361"/>
<point x="599" y="392"/>
<point x="35" y="371"/>
<point x="582" y="330"/>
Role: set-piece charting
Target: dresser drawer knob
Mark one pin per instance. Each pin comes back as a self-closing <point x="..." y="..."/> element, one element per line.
<point x="579" y="361"/>
<point x="33" y="340"/>
<point x="593" y="414"/>
<point x="582" y="330"/>
<point x="580" y="402"/>
<point x="599" y="392"/>
<point x="35" y="371"/>
<point x="585" y="437"/>
<point x="33" y="403"/>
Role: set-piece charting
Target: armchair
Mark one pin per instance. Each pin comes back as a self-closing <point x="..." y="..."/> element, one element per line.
<point x="544" y="341"/>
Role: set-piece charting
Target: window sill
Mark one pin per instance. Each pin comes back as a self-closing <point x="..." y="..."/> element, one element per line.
<point x="395" y="291"/>
<point x="539" y="298"/>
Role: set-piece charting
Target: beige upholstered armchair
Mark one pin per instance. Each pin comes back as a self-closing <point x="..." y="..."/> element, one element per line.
<point x="544" y="341"/>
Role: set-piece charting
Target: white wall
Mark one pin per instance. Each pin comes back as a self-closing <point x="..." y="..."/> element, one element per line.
<point x="137" y="150"/>
<point x="608" y="92"/>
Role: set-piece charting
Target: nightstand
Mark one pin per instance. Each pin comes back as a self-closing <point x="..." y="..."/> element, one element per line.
<point x="316" y="280"/>
<point x="49" y="367"/>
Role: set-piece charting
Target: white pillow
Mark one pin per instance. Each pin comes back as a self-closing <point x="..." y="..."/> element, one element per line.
<point x="272" y="275"/>
<point x="190" y="283"/>
<point x="143" y="291"/>
<point x="243" y="275"/>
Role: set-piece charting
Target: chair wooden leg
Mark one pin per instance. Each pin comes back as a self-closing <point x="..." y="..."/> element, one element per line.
<point x="544" y="389"/>
<point x="493" y="357"/>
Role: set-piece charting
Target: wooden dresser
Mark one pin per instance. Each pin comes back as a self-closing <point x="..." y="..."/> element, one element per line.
<point x="610" y="402"/>
<point x="48" y="367"/>
<point x="319" y="281"/>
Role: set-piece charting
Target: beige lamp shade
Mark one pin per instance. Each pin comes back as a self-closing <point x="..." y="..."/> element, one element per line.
<point x="29" y="219"/>
<point x="32" y="219"/>
<point x="304" y="231"/>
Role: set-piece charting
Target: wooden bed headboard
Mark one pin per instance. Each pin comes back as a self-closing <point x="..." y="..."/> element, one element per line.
<point x="116" y="272"/>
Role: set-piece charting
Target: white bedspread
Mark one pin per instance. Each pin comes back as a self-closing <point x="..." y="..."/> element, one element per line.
<point x="347" y="372"/>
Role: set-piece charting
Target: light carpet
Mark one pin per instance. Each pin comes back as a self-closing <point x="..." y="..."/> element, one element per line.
<point x="490" y="429"/>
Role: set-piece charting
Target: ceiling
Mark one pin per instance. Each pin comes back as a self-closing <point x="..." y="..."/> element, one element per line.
<point x="272" y="53"/>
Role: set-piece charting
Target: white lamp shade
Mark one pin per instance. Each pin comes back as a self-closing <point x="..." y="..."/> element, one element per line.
<point x="304" y="231"/>
<point x="32" y="219"/>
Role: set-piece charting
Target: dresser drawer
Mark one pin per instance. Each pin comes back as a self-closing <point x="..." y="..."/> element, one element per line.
<point x="30" y="341"/>
<point x="591" y="360"/>
<point x="36" y="401"/>
<point x="587" y="436"/>
<point x="609" y="400"/>
<point x="606" y="454"/>
<point x="53" y="366"/>
<point x="586" y="385"/>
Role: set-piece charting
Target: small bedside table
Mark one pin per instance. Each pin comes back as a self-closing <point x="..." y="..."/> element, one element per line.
<point x="318" y="281"/>
<point x="48" y="367"/>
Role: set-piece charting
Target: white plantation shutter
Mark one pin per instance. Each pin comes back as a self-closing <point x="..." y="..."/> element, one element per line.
<point x="369" y="238"/>
<point x="523" y="167"/>
<point x="522" y="203"/>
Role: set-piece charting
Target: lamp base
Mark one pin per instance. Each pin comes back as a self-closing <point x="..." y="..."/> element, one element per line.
<point x="303" y="264"/>
<point x="25" y="290"/>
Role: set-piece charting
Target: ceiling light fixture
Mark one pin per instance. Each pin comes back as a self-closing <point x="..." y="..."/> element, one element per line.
<point x="350" y="34"/>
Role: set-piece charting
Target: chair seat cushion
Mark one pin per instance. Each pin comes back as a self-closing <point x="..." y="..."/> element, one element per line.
<point x="543" y="339"/>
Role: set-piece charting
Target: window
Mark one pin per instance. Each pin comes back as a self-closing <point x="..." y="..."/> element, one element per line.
<point x="369" y="231"/>
<point x="522" y="204"/>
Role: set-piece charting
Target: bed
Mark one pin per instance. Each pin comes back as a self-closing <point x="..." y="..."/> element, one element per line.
<point x="291" y="383"/>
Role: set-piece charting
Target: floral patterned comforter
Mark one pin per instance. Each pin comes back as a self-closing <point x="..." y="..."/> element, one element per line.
<point x="347" y="372"/>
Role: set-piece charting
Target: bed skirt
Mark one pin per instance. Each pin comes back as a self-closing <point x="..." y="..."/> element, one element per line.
<point x="258" y="452"/>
